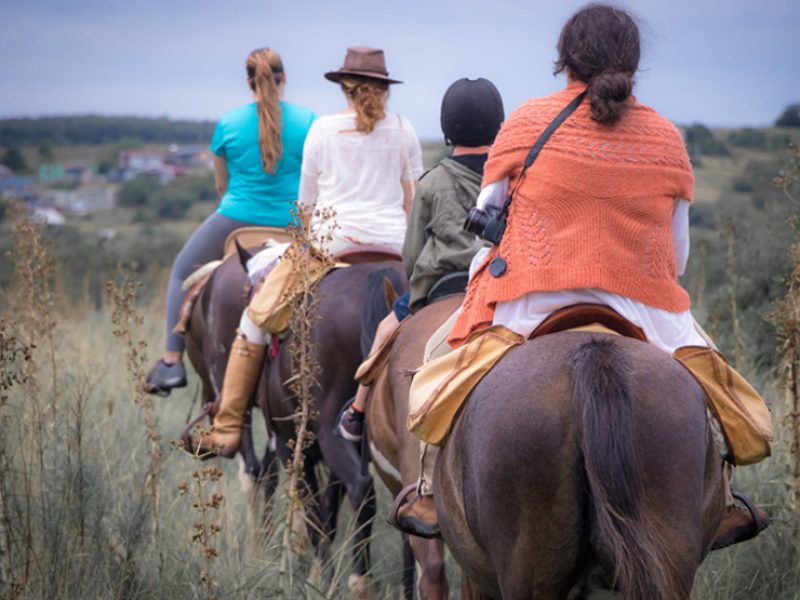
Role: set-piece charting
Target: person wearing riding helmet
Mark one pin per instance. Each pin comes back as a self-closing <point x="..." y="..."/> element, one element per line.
<point x="258" y="150"/>
<point x="436" y="243"/>
<point x="600" y="218"/>
<point x="361" y="163"/>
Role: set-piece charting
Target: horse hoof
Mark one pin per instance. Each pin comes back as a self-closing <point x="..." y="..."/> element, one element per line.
<point x="358" y="585"/>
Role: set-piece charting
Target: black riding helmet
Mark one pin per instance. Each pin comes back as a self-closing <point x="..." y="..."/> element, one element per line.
<point x="472" y="111"/>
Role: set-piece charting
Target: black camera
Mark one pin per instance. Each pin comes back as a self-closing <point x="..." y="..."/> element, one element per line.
<point x="488" y="224"/>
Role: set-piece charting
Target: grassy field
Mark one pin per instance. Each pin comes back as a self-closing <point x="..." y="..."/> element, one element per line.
<point x="95" y="501"/>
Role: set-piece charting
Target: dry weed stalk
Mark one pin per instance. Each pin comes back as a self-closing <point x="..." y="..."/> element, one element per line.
<point x="33" y="302"/>
<point x="126" y="319"/>
<point x="789" y="179"/>
<point x="700" y="287"/>
<point x="14" y="359"/>
<point x="310" y="264"/>
<point x="786" y="318"/>
<point x="31" y="307"/>
<point x="207" y="504"/>
<point x="733" y="280"/>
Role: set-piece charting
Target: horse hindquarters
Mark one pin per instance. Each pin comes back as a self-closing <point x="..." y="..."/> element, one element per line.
<point x="516" y="503"/>
<point x="645" y="513"/>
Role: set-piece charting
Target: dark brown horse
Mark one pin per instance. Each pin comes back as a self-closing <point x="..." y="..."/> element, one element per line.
<point x="395" y="450"/>
<point x="581" y="457"/>
<point x="342" y="296"/>
<point x="212" y="328"/>
<point x="338" y="338"/>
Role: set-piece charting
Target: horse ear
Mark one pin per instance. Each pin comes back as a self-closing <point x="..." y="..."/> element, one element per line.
<point x="244" y="255"/>
<point x="391" y="293"/>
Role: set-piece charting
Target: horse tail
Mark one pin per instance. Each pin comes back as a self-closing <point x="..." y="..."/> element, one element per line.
<point x="376" y="305"/>
<point x="621" y="536"/>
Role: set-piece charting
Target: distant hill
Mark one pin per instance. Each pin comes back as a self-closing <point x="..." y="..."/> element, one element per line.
<point x="93" y="129"/>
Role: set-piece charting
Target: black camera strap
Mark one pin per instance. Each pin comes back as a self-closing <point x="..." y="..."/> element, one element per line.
<point x="498" y="265"/>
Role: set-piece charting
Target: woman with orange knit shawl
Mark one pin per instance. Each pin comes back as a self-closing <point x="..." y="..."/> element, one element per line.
<point x="600" y="218"/>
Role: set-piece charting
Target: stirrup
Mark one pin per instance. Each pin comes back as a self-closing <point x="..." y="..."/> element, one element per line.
<point x="758" y="526"/>
<point x="398" y="502"/>
<point x="394" y="519"/>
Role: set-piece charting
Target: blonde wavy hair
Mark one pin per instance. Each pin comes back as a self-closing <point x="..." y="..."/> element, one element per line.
<point x="369" y="99"/>
<point x="265" y="77"/>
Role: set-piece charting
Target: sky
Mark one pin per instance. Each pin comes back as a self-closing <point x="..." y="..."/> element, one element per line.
<point x="724" y="63"/>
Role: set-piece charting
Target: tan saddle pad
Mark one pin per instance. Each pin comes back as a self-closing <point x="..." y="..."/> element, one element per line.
<point x="441" y="386"/>
<point x="742" y="413"/>
<point x="253" y="237"/>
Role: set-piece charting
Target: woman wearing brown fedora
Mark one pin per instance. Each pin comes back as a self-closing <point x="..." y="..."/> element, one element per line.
<point x="361" y="163"/>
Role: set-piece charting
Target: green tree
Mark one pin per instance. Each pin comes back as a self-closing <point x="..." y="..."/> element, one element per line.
<point x="45" y="151"/>
<point x="137" y="192"/>
<point x="700" y="140"/>
<point x="748" y="138"/>
<point x="790" y="117"/>
<point x="14" y="160"/>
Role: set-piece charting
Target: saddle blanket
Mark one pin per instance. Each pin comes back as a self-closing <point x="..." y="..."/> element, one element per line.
<point x="441" y="386"/>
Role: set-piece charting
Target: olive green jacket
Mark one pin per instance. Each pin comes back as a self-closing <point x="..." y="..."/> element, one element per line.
<point x="436" y="243"/>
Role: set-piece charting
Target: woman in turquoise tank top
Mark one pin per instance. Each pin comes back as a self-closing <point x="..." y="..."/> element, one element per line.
<point x="258" y="150"/>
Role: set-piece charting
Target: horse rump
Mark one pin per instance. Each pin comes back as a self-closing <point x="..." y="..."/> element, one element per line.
<point x="622" y="538"/>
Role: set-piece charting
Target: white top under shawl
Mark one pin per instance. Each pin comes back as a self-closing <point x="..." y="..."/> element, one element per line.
<point x="666" y="330"/>
<point x="358" y="175"/>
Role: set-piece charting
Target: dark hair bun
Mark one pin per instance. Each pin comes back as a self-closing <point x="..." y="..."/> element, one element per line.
<point x="608" y="95"/>
<point x="599" y="45"/>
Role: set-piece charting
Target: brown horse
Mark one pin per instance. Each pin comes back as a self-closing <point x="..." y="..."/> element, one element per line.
<point x="342" y="300"/>
<point x="580" y="457"/>
<point x="396" y="451"/>
<point x="343" y="296"/>
<point x="212" y="328"/>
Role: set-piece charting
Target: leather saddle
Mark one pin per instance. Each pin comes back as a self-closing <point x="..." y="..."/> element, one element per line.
<point x="449" y="285"/>
<point x="583" y="315"/>
<point x="365" y="253"/>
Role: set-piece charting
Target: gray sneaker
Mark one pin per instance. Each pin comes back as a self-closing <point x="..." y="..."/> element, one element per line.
<point x="163" y="377"/>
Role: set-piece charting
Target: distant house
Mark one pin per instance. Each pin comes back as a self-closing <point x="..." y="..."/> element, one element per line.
<point x="189" y="157"/>
<point x="50" y="173"/>
<point x="48" y="215"/>
<point x="145" y="163"/>
<point x="79" y="171"/>
<point x="16" y="186"/>
<point x="137" y="161"/>
<point x="84" y="200"/>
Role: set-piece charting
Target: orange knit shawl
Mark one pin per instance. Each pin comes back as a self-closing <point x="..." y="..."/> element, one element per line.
<point x="594" y="210"/>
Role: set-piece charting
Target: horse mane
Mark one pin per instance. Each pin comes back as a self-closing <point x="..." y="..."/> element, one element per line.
<point x="621" y="535"/>
<point x="376" y="305"/>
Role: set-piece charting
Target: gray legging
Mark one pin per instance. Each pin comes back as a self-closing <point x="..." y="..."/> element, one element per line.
<point x="205" y="244"/>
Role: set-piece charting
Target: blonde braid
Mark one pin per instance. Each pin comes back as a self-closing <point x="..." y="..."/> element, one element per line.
<point x="265" y="76"/>
<point x="369" y="99"/>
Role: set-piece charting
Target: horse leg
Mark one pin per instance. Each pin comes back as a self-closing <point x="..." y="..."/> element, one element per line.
<point x="470" y="590"/>
<point x="408" y="569"/>
<point x="429" y="559"/>
<point x="345" y="464"/>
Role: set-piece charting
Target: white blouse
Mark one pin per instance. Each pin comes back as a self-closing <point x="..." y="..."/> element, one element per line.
<point x="666" y="330"/>
<point x="358" y="176"/>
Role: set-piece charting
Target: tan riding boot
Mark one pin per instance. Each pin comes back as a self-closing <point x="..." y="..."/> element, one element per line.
<point x="241" y="376"/>
<point x="415" y="508"/>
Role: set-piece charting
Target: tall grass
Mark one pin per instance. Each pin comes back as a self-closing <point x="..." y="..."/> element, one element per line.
<point x="94" y="503"/>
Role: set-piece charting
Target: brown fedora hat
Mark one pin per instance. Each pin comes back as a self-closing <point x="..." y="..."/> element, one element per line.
<point x="362" y="62"/>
